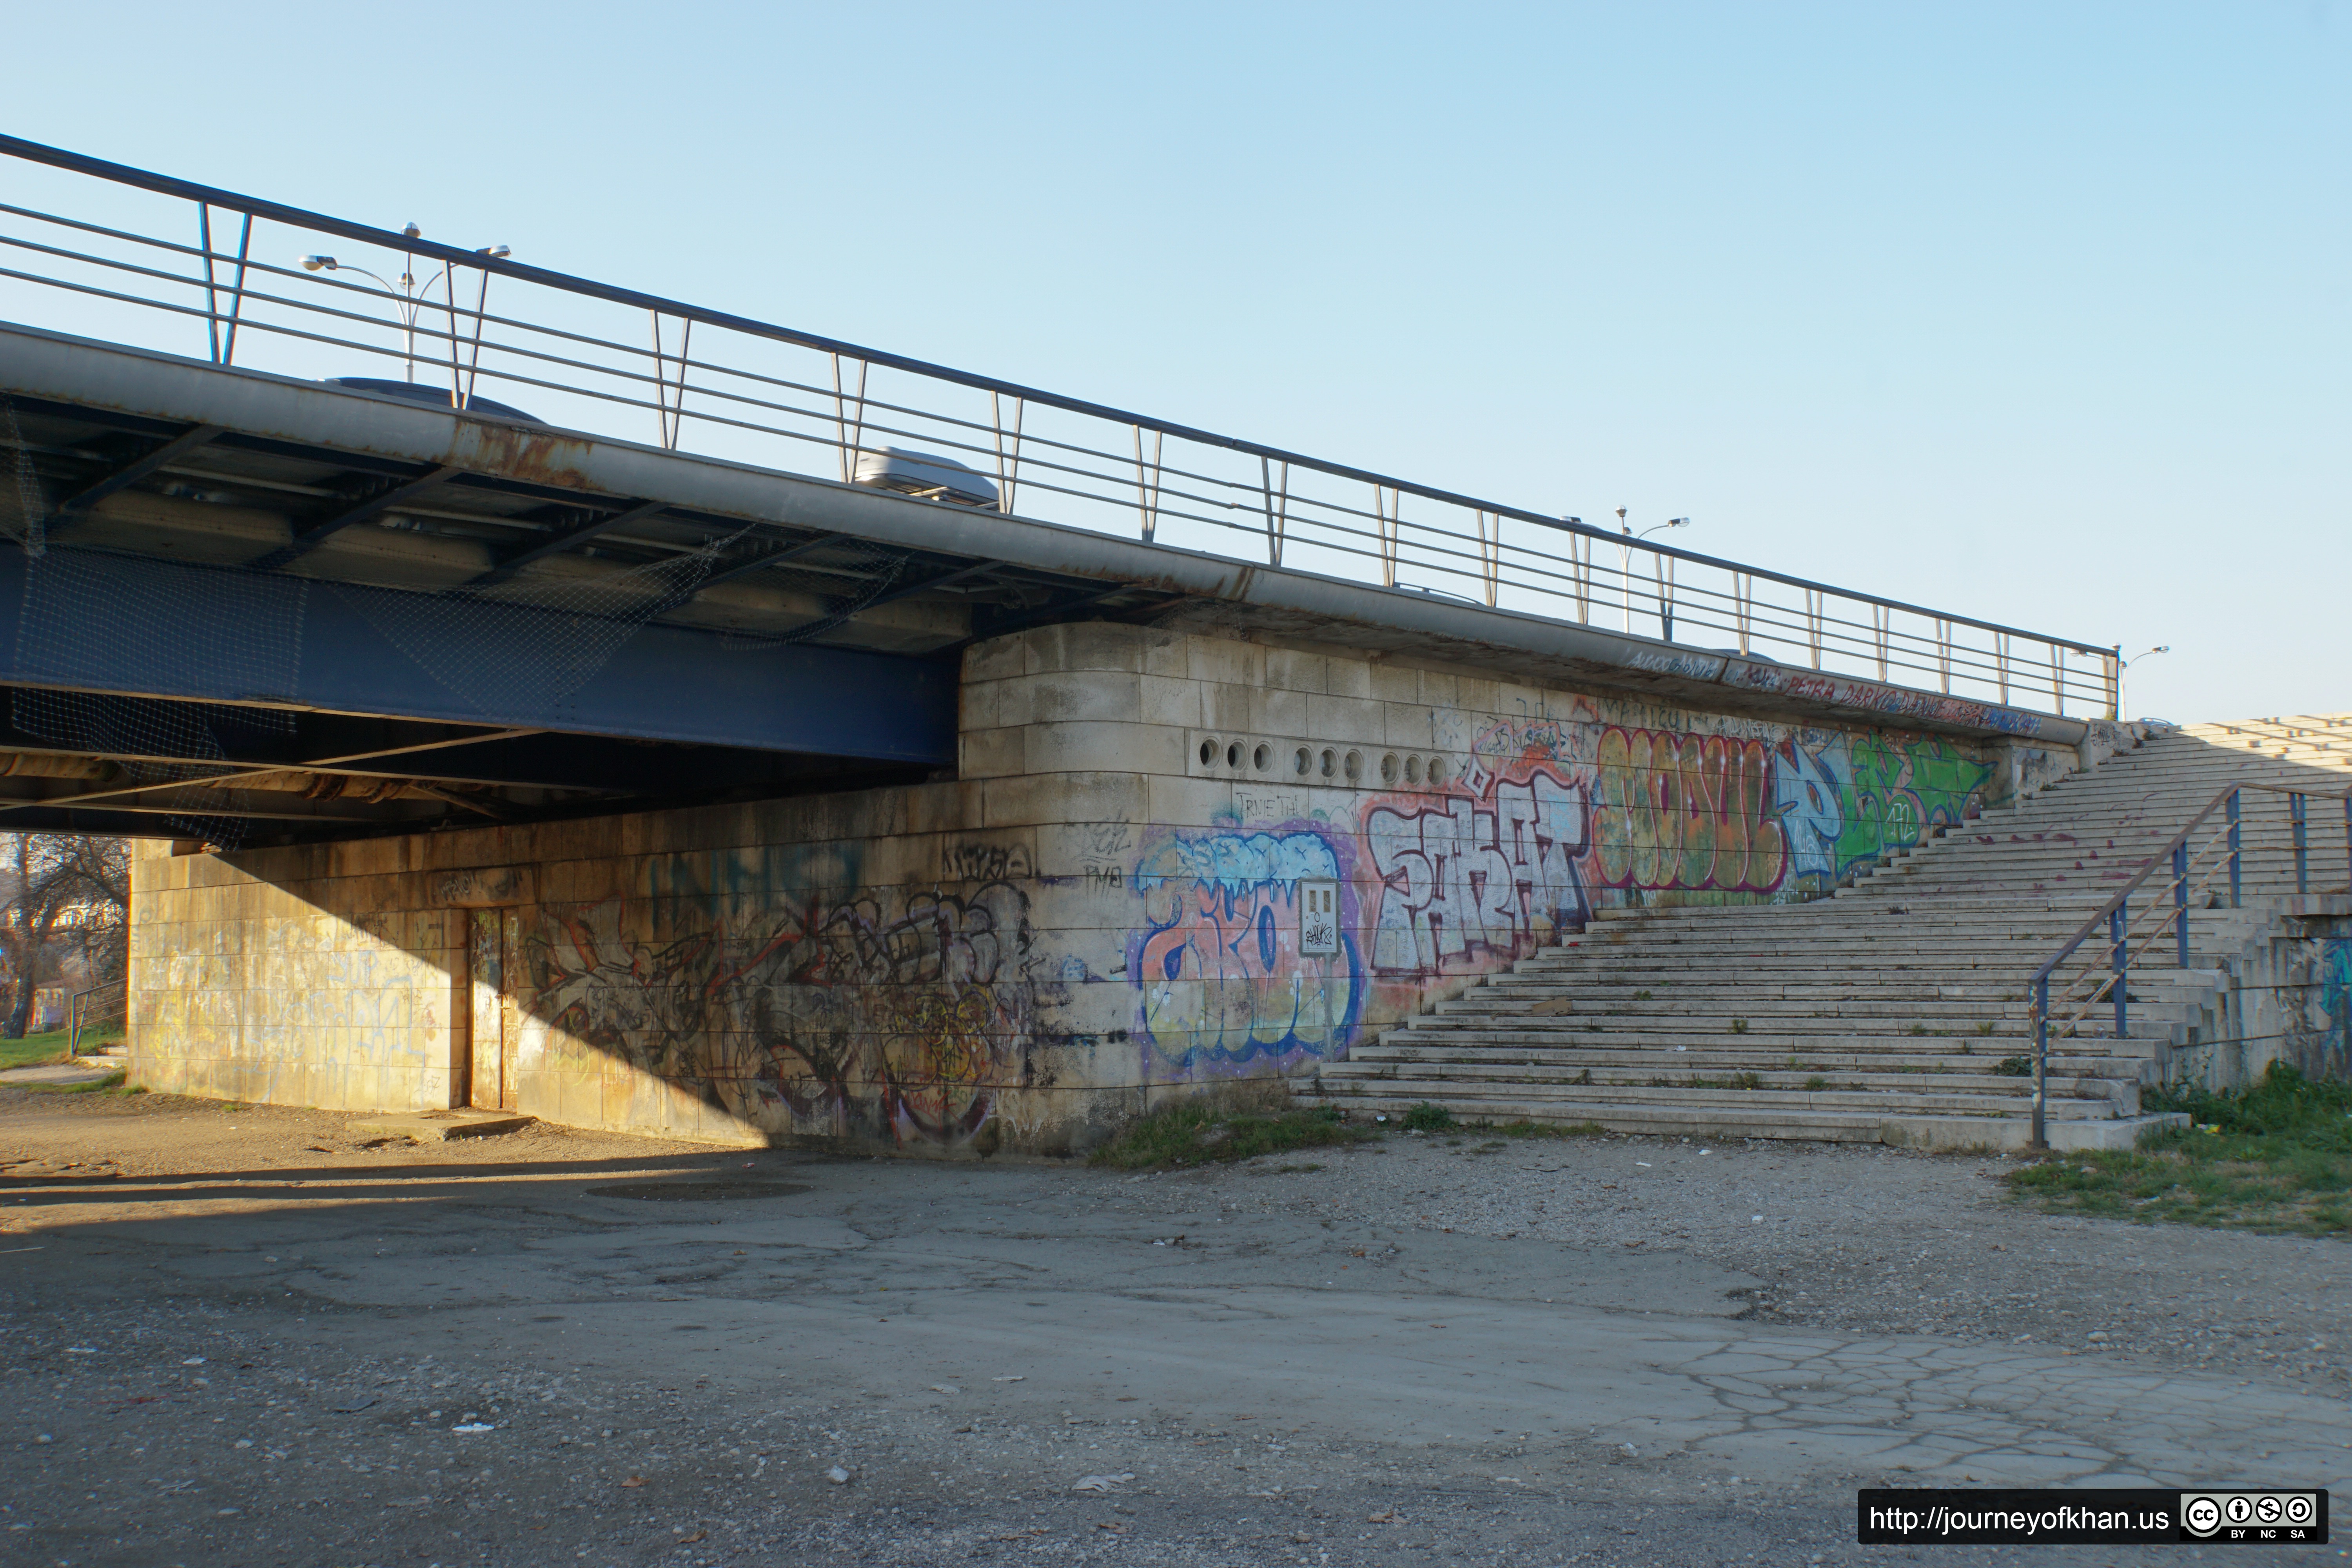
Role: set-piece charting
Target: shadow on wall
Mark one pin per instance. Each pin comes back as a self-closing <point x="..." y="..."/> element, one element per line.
<point x="918" y="1016"/>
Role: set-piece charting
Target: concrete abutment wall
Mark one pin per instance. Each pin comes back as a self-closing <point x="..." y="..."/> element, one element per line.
<point x="1121" y="897"/>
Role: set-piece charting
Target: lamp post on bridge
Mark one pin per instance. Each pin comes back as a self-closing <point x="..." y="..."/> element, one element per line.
<point x="408" y="298"/>
<point x="2124" y="664"/>
<point x="1625" y="569"/>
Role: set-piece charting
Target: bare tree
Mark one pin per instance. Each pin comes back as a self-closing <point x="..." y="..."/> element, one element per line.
<point x="42" y="878"/>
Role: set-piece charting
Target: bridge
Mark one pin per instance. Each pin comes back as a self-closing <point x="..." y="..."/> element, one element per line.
<point x="552" y="695"/>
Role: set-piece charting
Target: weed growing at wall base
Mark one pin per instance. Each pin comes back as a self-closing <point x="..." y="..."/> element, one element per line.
<point x="2276" y="1157"/>
<point x="110" y="1084"/>
<point x="1524" y="1129"/>
<point x="1204" y="1131"/>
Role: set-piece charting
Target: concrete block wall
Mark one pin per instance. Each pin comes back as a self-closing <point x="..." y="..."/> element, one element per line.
<point x="1104" y="908"/>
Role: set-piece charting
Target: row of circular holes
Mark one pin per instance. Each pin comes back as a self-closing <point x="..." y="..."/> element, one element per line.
<point x="1410" y="767"/>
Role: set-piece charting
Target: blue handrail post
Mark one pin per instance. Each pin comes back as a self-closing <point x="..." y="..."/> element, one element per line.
<point x="2348" y="840"/>
<point x="2181" y="900"/>
<point x="2234" y="900"/>
<point x="2116" y="927"/>
<point x="2302" y="846"/>
<point x="2041" y="1058"/>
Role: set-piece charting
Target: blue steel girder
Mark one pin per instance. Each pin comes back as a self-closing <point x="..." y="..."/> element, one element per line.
<point x="312" y="644"/>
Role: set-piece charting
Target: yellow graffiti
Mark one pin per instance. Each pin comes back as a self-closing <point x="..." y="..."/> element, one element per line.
<point x="1685" y="811"/>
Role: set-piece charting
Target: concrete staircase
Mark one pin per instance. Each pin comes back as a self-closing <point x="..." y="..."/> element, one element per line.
<point x="1895" y="1011"/>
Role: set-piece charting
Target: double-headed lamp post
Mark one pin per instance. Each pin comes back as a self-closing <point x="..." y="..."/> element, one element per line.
<point x="408" y="295"/>
<point x="2124" y="664"/>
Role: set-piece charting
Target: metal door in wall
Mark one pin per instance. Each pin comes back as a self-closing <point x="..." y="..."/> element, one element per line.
<point x="492" y="937"/>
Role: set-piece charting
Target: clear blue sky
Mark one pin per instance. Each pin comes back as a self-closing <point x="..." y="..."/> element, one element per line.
<point x="2038" y="312"/>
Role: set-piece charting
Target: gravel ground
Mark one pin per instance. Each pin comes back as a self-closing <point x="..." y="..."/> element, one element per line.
<point x="238" y="1334"/>
<point x="1859" y="1238"/>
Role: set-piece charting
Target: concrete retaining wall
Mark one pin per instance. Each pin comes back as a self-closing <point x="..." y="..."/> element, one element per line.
<point x="1119" y="898"/>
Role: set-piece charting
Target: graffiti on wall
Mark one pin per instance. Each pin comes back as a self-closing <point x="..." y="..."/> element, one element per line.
<point x="1900" y="788"/>
<point x="1487" y="867"/>
<point x="1694" y="811"/>
<point x="910" y="1015"/>
<point x="1218" y="960"/>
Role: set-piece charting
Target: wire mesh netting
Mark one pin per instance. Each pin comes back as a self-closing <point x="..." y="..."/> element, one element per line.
<point x="23" y="507"/>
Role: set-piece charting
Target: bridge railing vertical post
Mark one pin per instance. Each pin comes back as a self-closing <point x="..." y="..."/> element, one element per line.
<point x="2041" y="1059"/>
<point x="1008" y="460"/>
<point x="2181" y="898"/>
<point x="2118" y="934"/>
<point x="2237" y="899"/>
<point x="1147" y="485"/>
<point x="1277" y="508"/>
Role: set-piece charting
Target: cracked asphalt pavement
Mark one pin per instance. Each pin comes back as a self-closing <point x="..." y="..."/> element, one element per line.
<point x="238" y="1334"/>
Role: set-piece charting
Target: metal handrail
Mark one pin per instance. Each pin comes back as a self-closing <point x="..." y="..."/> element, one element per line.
<point x="2114" y="914"/>
<point x="1875" y="641"/>
<point x="77" y="1010"/>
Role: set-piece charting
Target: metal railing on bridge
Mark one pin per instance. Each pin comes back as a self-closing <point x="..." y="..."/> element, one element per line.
<point x="166" y="264"/>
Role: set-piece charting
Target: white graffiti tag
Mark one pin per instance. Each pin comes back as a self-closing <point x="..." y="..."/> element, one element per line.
<point x="1497" y="872"/>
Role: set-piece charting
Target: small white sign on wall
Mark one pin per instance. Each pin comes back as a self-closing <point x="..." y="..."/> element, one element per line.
<point x="1318" y="919"/>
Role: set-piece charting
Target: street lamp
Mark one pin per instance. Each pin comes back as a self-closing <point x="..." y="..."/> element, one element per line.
<point x="408" y="297"/>
<point x="2124" y="664"/>
<point x="1665" y="570"/>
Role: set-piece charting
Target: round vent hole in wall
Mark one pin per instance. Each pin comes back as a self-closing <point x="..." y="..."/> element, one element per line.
<point x="1331" y="761"/>
<point x="1263" y="758"/>
<point x="1234" y="755"/>
<point x="1412" y="770"/>
<point x="1306" y="761"/>
<point x="1355" y="767"/>
<point x="1208" y="753"/>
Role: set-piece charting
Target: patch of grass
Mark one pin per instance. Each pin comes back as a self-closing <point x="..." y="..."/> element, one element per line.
<point x="1642" y="996"/>
<point x="2276" y="1157"/>
<point x="40" y="1050"/>
<point x="1210" y="1130"/>
<point x="111" y="1083"/>
<point x="1985" y="1027"/>
<point x="1740" y="1025"/>
<point x="2015" y="1067"/>
<point x="1428" y="1116"/>
<point x="1815" y="1085"/>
